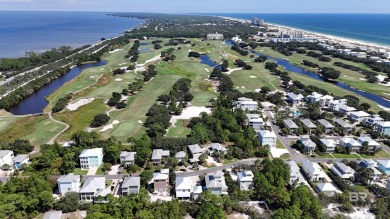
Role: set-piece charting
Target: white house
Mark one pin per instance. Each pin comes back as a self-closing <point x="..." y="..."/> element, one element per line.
<point x="246" y="104"/>
<point x="255" y="121"/>
<point x="295" y="99"/>
<point x="330" y="145"/>
<point x="188" y="188"/>
<point x="314" y="97"/>
<point x="313" y="171"/>
<point x="180" y="156"/>
<point x="308" y="144"/>
<point x="382" y="128"/>
<point x="158" y="155"/>
<point x="327" y="188"/>
<point x="346" y="110"/>
<point x="6" y="157"/>
<point x="53" y="215"/>
<point x="310" y="126"/>
<point x="68" y="183"/>
<point x="358" y="116"/>
<point x="327" y="126"/>
<point x="131" y="185"/>
<point x="245" y="179"/>
<point x="267" y="138"/>
<point x="127" y="158"/>
<point x="370" y="121"/>
<point x="295" y="173"/>
<point x="372" y="144"/>
<point x="335" y="104"/>
<point x="291" y="125"/>
<point x="215" y="183"/>
<point x="92" y="188"/>
<point x="345" y="126"/>
<point x="324" y="101"/>
<point x="350" y="143"/>
<point x="91" y="158"/>
<point x="343" y="171"/>
<point x="196" y="151"/>
<point x="215" y="147"/>
<point x="20" y="160"/>
<point x="215" y="36"/>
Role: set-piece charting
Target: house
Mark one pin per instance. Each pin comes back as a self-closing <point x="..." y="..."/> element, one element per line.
<point x="295" y="173"/>
<point x="91" y="158"/>
<point x="346" y="110"/>
<point x="314" y="97"/>
<point x="352" y="144"/>
<point x="255" y="121"/>
<point x="131" y="185"/>
<point x="183" y="188"/>
<point x="196" y="151"/>
<point x="345" y="126"/>
<point x="158" y="155"/>
<point x="161" y="181"/>
<point x="215" y="183"/>
<point x="215" y="147"/>
<point x="313" y="171"/>
<point x="327" y="127"/>
<point x="330" y="145"/>
<point x="245" y="179"/>
<point x="371" y="121"/>
<point x="295" y="99"/>
<point x="92" y="188"/>
<point x="290" y="125"/>
<point x="382" y="128"/>
<point x="127" y="158"/>
<point x="358" y="116"/>
<point x="384" y="165"/>
<point x="267" y="138"/>
<point x="6" y="157"/>
<point x="309" y="125"/>
<point x="180" y="156"/>
<point x="343" y="171"/>
<point x="246" y="104"/>
<point x="327" y="188"/>
<point x="372" y="144"/>
<point x="324" y="101"/>
<point x="52" y="215"/>
<point x="369" y="163"/>
<point x="68" y="183"/>
<point x="20" y="160"/>
<point x="308" y="144"/>
<point x="335" y="104"/>
<point x="377" y="175"/>
<point x="215" y="36"/>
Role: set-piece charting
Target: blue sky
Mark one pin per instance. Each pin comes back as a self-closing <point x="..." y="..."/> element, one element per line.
<point x="199" y="6"/>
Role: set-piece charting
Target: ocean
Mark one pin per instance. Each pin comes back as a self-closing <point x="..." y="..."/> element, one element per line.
<point x="373" y="28"/>
<point x="42" y="31"/>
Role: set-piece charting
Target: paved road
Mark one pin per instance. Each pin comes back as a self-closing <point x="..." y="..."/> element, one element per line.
<point x="55" y="137"/>
<point x="214" y="169"/>
<point x="286" y="143"/>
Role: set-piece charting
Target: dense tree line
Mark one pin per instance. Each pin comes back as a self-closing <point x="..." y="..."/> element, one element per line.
<point x="194" y="54"/>
<point x="99" y="120"/>
<point x="310" y="64"/>
<point x="330" y="73"/>
<point x="133" y="53"/>
<point x="116" y="101"/>
<point x="149" y="73"/>
<point x="369" y="74"/>
<point x="239" y="50"/>
<point x="61" y="103"/>
<point x="242" y="64"/>
<point x="261" y="59"/>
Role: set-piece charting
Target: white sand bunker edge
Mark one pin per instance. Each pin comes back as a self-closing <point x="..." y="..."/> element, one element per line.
<point x="74" y="106"/>
<point x="110" y="126"/>
<point x="190" y="112"/>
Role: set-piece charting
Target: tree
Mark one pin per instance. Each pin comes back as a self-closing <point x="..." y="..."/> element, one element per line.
<point x="20" y="146"/>
<point x="69" y="203"/>
<point x="365" y="175"/>
<point x="330" y="73"/>
<point x="99" y="120"/>
<point x="68" y="163"/>
<point x="46" y="200"/>
<point x="200" y="132"/>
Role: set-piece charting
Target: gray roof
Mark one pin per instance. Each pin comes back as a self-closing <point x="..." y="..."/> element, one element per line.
<point x="213" y="180"/>
<point x="343" y="123"/>
<point x="93" y="184"/>
<point x="20" y="158"/>
<point x="195" y="148"/>
<point x="159" y="153"/>
<point x="290" y="124"/>
<point x="293" y="166"/>
<point x="68" y="178"/>
<point x="3" y="153"/>
<point x="131" y="181"/>
<point x="127" y="156"/>
<point x="294" y="96"/>
<point x="325" y="123"/>
<point x="309" y="143"/>
<point x="180" y="154"/>
<point x="308" y="123"/>
<point x="53" y="215"/>
<point x="217" y="147"/>
<point x="344" y="168"/>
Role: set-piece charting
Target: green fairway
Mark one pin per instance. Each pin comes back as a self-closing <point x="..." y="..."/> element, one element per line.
<point x="44" y="131"/>
<point x="6" y="122"/>
<point x="80" y="119"/>
<point x="180" y="131"/>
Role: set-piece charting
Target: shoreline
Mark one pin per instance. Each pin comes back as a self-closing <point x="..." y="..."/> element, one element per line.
<point x="321" y="36"/>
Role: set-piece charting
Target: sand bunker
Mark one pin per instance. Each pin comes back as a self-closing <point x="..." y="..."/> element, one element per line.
<point x="190" y="112"/>
<point x="79" y="103"/>
<point x="110" y="126"/>
<point x="277" y="152"/>
<point x="114" y="51"/>
<point x="119" y="79"/>
<point x="252" y="76"/>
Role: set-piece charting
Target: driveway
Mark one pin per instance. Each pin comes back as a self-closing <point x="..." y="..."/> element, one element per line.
<point x="114" y="170"/>
<point x="92" y="171"/>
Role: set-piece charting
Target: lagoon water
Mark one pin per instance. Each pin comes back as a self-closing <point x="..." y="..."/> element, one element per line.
<point x="374" y="28"/>
<point x="41" y="31"/>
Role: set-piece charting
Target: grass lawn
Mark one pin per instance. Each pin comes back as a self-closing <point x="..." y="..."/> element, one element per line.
<point x="359" y="188"/>
<point x="79" y="171"/>
<point x="80" y="119"/>
<point x="228" y="161"/>
<point x="100" y="171"/>
<point x="180" y="131"/>
<point x="279" y="145"/>
<point x="345" y="156"/>
<point x="44" y="131"/>
<point x="108" y="182"/>
<point x="6" y="121"/>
